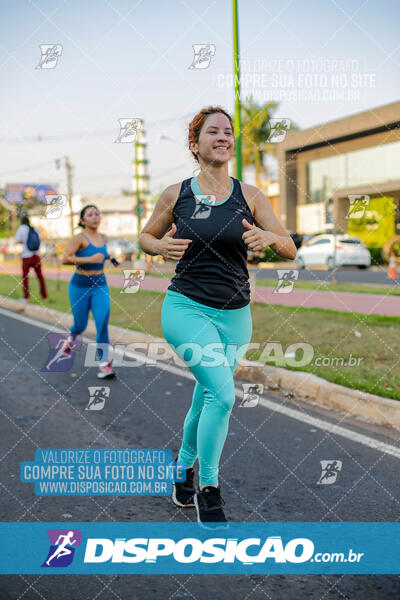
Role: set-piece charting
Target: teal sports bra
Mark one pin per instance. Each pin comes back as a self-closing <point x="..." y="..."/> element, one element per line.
<point x="89" y="251"/>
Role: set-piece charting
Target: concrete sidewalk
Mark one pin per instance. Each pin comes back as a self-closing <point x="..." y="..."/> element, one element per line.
<point x="374" y="304"/>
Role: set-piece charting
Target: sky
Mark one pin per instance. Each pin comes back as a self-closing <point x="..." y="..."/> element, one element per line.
<point x="321" y="59"/>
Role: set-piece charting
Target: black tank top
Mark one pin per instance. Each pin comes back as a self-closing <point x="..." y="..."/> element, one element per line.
<point x="213" y="270"/>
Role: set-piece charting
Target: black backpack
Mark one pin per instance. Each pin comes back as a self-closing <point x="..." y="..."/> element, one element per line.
<point x="33" y="241"/>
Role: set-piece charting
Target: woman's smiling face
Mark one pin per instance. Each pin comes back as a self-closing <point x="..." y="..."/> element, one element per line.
<point x="216" y="142"/>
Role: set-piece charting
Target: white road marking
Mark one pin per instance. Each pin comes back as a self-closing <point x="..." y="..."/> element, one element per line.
<point x="332" y="428"/>
<point x="293" y="413"/>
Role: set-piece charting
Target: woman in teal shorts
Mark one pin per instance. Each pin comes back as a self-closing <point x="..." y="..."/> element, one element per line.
<point x="206" y="315"/>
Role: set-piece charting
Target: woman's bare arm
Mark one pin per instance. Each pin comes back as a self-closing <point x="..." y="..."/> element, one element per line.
<point x="274" y="234"/>
<point x="155" y="238"/>
<point x="73" y="246"/>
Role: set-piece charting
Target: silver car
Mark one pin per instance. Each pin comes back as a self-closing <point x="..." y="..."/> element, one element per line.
<point x="324" y="249"/>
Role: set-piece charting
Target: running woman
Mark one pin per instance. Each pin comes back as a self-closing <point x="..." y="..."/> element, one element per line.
<point x="214" y="219"/>
<point x="88" y="288"/>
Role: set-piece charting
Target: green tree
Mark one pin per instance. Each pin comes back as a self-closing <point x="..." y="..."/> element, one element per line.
<point x="5" y="222"/>
<point x="255" y="132"/>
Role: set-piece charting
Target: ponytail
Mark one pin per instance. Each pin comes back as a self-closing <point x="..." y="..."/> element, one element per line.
<point x="25" y="221"/>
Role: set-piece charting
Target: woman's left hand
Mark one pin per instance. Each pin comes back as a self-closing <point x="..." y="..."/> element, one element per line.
<point x="256" y="238"/>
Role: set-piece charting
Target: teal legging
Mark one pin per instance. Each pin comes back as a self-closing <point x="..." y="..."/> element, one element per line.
<point x="185" y="322"/>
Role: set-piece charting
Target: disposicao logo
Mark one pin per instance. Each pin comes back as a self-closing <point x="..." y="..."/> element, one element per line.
<point x="191" y="550"/>
<point x="62" y="547"/>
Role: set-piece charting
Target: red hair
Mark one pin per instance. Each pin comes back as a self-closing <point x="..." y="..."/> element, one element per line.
<point x="198" y="121"/>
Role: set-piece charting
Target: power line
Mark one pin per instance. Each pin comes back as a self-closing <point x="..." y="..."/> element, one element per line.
<point x="71" y="136"/>
<point x="94" y="176"/>
<point x="53" y="138"/>
<point x="22" y="169"/>
<point x="165" y="173"/>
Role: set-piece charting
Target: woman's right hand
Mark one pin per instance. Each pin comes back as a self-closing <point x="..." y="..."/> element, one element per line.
<point x="173" y="249"/>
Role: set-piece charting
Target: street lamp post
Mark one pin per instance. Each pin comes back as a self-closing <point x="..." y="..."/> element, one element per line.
<point x="138" y="215"/>
<point x="236" y="67"/>
<point x="68" y="167"/>
<point x="140" y="181"/>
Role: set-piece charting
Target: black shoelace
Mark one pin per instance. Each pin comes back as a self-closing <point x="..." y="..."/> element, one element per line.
<point x="212" y="497"/>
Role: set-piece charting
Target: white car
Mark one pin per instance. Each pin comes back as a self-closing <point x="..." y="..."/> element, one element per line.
<point x="322" y="250"/>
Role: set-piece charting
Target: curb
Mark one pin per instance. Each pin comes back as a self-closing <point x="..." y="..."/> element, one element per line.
<point x="374" y="409"/>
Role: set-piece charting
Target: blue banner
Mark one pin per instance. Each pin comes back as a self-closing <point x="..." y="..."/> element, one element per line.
<point x="102" y="472"/>
<point x="170" y="548"/>
<point x="18" y="192"/>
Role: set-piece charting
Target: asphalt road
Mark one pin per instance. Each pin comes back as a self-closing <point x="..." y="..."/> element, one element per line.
<point x="269" y="472"/>
<point x="375" y="276"/>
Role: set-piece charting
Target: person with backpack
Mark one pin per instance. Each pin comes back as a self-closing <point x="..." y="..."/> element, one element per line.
<point x="30" y="238"/>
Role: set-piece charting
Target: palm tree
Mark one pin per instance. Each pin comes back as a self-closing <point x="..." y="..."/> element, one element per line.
<point x="255" y="133"/>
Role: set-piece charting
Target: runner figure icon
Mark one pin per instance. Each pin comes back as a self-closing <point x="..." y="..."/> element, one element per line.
<point x="61" y="549"/>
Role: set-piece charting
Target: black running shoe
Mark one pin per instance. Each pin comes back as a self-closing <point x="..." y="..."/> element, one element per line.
<point x="209" y="502"/>
<point x="183" y="491"/>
